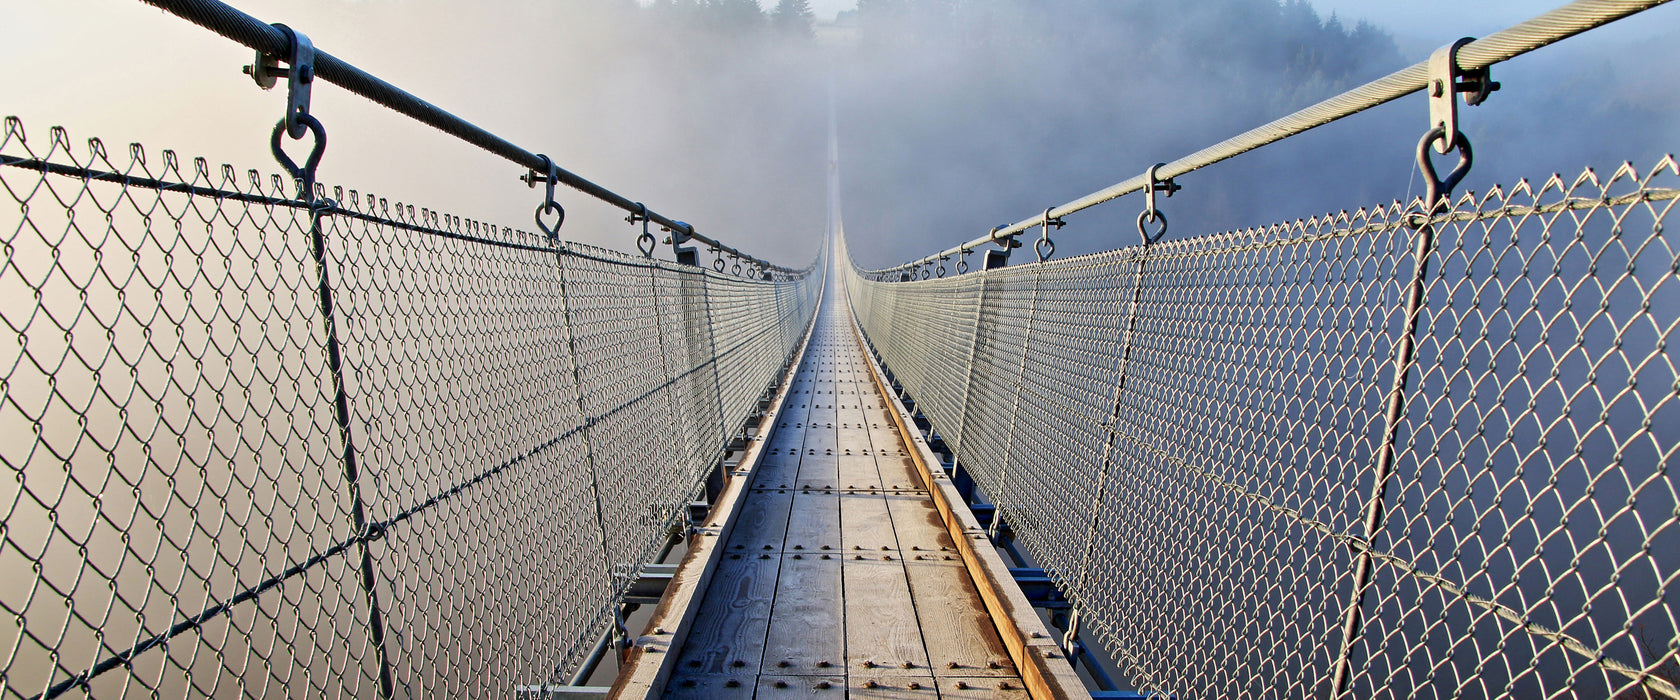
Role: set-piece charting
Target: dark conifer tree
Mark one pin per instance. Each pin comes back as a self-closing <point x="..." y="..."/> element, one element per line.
<point x="792" y="17"/>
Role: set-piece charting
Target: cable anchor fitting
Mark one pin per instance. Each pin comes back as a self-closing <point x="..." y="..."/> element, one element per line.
<point x="1046" y="247"/>
<point x="1007" y="242"/>
<point x="300" y="77"/>
<point x="299" y="73"/>
<point x="1151" y="214"/>
<point x="1446" y="81"/>
<point x="551" y="176"/>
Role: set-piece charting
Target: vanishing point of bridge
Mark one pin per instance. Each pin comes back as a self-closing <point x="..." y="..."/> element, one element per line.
<point x="269" y="437"/>
<point x="841" y="572"/>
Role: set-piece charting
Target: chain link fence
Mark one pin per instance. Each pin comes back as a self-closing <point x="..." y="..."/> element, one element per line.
<point x="1187" y="436"/>
<point x="259" y="448"/>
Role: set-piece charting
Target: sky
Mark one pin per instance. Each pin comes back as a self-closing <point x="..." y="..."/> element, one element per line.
<point x="690" y="147"/>
<point x="1414" y="23"/>
<point x="1410" y="18"/>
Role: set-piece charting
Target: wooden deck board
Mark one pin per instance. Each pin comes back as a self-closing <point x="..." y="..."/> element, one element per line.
<point x="807" y="630"/>
<point x="981" y="688"/>
<point x="764" y="521"/>
<point x="892" y="688"/>
<point x="917" y="524"/>
<point x="858" y="472"/>
<point x="815" y="523"/>
<point x="729" y="633"/>
<point x="791" y="687"/>
<point x="701" y="687"/>
<point x="818" y="471"/>
<point x="946" y="600"/>
<point x="866" y="524"/>
<point x="882" y="637"/>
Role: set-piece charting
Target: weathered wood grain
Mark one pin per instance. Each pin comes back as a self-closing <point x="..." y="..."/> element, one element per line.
<point x="961" y="638"/>
<point x="814" y="523"/>
<point x="764" y="521"/>
<point x="807" y="624"/>
<point x="918" y="525"/>
<point x="733" y="621"/>
<point x="818" y="471"/>
<point x="866" y="524"/>
<point x="882" y="636"/>
<point x="858" y="472"/>
<point x="800" y="687"/>
<point x="880" y="687"/>
<point x="701" y="687"/>
<point x="981" y="688"/>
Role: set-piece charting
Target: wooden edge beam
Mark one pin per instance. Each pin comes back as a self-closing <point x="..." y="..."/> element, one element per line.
<point x="649" y="663"/>
<point x="1044" y="669"/>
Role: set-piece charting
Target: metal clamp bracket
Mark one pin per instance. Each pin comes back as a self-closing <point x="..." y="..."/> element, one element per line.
<point x="1446" y="80"/>
<point x="678" y="236"/>
<point x="299" y="74"/>
<point x="1007" y="242"/>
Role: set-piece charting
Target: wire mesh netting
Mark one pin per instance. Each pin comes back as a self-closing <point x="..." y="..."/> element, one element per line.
<point x="264" y="448"/>
<point x="1186" y="436"/>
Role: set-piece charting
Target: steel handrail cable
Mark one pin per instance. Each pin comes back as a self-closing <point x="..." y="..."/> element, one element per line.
<point x="223" y="19"/>
<point x="1545" y="29"/>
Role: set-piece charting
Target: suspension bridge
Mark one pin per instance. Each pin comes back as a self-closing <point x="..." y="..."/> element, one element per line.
<point x="273" y="438"/>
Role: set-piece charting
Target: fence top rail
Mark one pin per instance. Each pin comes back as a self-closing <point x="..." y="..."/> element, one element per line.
<point x="1545" y="29"/>
<point x="229" y="22"/>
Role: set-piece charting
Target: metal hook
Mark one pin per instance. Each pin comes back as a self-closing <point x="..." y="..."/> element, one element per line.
<point x="1046" y="247"/>
<point x="1446" y="80"/>
<point x="962" y="261"/>
<point x="548" y="205"/>
<point x="1437" y="188"/>
<point x="646" y="241"/>
<point x="1150" y="213"/>
<point x="305" y="176"/>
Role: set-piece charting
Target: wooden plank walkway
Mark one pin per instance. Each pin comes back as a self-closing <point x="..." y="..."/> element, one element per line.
<point x="840" y="579"/>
